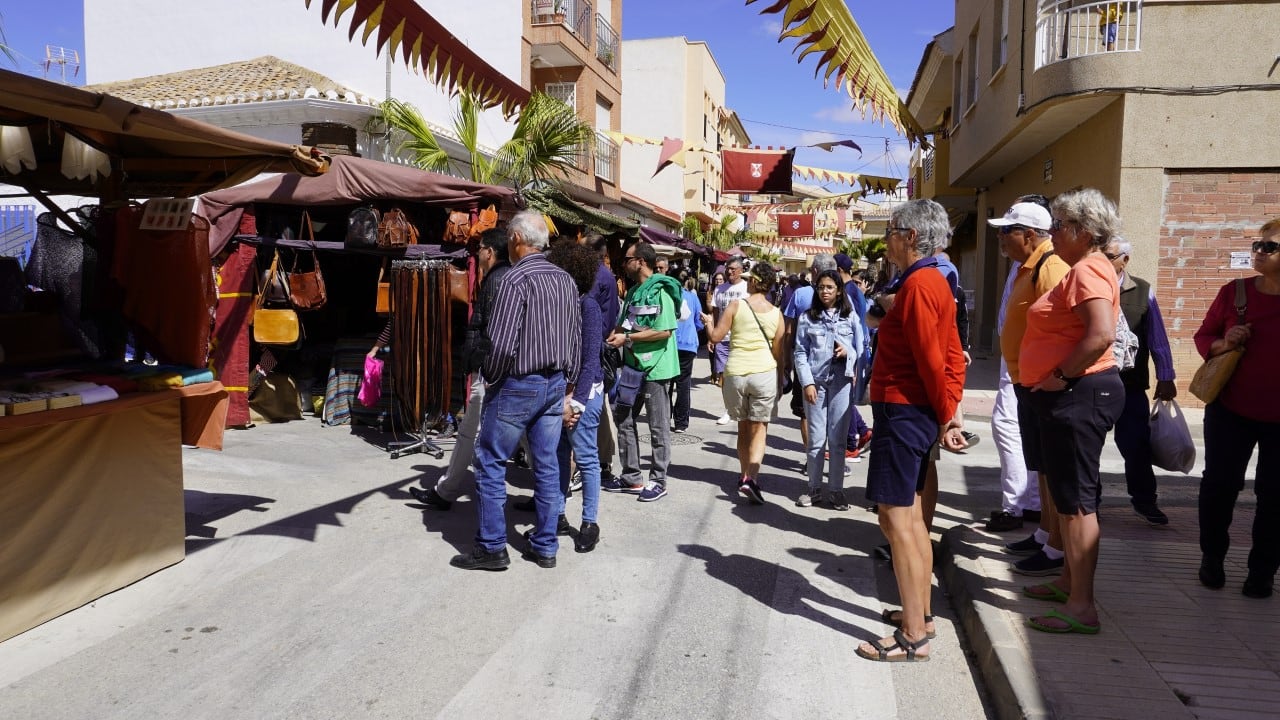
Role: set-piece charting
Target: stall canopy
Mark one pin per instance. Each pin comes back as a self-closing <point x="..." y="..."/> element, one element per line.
<point x="350" y="181"/>
<point x="654" y="236"/>
<point x="552" y="201"/>
<point x="61" y="140"/>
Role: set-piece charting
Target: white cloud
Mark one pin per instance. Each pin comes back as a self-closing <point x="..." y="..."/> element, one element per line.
<point x="772" y="28"/>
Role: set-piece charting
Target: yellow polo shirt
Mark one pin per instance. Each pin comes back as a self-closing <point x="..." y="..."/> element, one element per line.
<point x="1021" y="297"/>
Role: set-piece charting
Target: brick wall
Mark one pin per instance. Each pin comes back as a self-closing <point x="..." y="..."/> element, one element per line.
<point x="1207" y="215"/>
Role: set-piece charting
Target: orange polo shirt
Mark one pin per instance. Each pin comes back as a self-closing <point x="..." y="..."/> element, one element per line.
<point x="1053" y="328"/>
<point x="1024" y="293"/>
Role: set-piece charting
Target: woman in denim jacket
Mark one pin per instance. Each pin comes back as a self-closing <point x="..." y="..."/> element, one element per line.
<point x="828" y="345"/>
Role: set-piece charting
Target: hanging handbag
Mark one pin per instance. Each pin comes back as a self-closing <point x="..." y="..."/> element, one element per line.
<point x="457" y="228"/>
<point x="306" y="289"/>
<point x="459" y="288"/>
<point x="362" y="227"/>
<point x="274" y="283"/>
<point x="274" y="326"/>
<point x="382" y="304"/>
<point x="1213" y="375"/>
<point x="487" y="220"/>
<point x="395" y="230"/>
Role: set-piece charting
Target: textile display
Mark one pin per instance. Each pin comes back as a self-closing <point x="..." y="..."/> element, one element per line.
<point x="229" y="348"/>
<point x="343" y="383"/>
<point x="750" y="170"/>
<point x="795" y="225"/>
<point x="62" y="263"/>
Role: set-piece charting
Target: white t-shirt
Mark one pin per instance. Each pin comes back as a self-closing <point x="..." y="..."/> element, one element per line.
<point x="725" y="294"/>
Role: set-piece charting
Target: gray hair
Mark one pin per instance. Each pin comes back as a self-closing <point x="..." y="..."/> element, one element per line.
<point x="1121" y="245"/>
<point x="821" y="263"/>
<point x="532" y="229"/>
<point x="1092" y="211"/>
<point x="733" y="261"/>
<point x="928" y="219"/>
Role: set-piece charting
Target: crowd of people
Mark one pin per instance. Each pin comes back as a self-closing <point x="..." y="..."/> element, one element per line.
<point x="568" y="355"/>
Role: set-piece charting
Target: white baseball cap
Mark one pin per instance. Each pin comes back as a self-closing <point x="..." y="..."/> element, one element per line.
<point x="1026" y="214"/>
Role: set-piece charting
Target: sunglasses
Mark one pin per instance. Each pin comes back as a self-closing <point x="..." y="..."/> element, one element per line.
<point x="1266" y="247"/>
<point x="1115" y="256"/>
<point x="1010" y="228"/>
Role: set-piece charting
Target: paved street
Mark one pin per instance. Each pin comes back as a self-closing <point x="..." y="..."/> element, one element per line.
<point x="315" y="587"/>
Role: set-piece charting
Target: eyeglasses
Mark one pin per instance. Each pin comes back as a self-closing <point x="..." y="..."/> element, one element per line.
<point x="1010" y="228"/>
<point x="899" y="230"/>
<point x="1114" y="256"/>
<point x="1266" y="247"/>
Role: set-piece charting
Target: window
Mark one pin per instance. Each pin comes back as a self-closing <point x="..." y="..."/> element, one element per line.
<point x="604" y="111"/>
<point x="957" y="90"/>
<point x="565" y="92"/>
<point x="971" y="87"/>
<point x="1000" y="38"/>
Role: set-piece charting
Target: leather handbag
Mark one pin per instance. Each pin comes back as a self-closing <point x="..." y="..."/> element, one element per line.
<point x="383" y="303"/>
<point x="274" y="283"/>
<point x="395" y="230"/>
<point x="459" y="288"/>
<point x="306" y="289"/>
<point x="1213" y="375"/>
<point x="457" y="229"/>
<point x="487" y="220"/>
<point x="274" y="326"/>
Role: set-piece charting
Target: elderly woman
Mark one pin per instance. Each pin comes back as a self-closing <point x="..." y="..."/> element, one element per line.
<point x="1067" y="361"/>
<point x="916" y="384"/>
<point x="1246" y="412"/>
<point x="751" y="376"/>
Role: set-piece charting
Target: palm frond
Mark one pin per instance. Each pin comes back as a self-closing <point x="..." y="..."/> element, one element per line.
<point x="416" y="136"/>
<point x="547" y="140"/>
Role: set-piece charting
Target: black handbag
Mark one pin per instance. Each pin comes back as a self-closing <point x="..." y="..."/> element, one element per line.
<point x="630" y="381"/>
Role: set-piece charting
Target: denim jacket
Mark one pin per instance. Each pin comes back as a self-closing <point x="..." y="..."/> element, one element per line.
<point x="816" y="343"/>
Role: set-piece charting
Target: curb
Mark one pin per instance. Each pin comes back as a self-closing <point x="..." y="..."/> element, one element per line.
<point x="1000" y="651"/>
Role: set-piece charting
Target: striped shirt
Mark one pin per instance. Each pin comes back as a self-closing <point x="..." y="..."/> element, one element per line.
<point x="535" y="325"/>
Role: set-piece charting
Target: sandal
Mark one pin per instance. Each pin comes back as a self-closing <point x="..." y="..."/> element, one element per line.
<point x="1046" y="591"/>
<point x="1073" y="625"/>
<point x="899" y="641"/>
<point x="894" y="618"/>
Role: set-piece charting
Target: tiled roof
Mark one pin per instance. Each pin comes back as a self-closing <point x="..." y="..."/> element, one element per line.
<point x="248" y="81"/>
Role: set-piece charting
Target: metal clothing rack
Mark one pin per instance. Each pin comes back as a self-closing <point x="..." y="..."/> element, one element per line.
<point x="421" y="322"/>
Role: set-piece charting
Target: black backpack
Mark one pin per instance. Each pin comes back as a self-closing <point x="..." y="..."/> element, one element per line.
<point x="362" y="227"/>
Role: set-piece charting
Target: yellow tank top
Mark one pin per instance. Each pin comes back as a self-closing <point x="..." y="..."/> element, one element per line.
<point x="748" y="351"/>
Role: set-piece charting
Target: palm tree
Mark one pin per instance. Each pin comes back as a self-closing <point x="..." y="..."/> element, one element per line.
<point x="691" y="228"/>
<point x="545" y="143"/>
<point x="722" y="236"/>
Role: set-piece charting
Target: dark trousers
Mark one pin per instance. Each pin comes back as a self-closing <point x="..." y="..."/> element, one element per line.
<point x="1133" y="438"/>
<point x="857" y="425"/>
<point x="1229" y="440"/>
<point x="684" y="386"/>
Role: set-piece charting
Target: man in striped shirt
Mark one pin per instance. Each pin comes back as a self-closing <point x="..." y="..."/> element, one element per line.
<point x="535" y="334"/>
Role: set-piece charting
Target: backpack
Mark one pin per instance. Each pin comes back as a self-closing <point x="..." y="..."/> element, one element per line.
<point x="362" y="227"/>
<point x="395" y="230"/>
<point x="1125" y="346"/>
<point x="457" y="228"/>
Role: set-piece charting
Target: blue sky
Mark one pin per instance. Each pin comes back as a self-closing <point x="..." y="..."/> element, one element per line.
<point x="764" y="83"/>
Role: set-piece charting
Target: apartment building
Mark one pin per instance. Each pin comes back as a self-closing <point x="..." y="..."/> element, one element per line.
<point x="1166" y="106"/>
<point x="675" y="89"/>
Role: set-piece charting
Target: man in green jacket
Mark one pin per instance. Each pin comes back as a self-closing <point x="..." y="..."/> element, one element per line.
<point x="646" y="336"/>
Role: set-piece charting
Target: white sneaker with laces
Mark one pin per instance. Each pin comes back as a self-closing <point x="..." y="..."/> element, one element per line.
<point x="724" y="419"/>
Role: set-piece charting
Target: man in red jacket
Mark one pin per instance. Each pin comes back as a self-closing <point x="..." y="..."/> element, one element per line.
<point x="916" y="384"/>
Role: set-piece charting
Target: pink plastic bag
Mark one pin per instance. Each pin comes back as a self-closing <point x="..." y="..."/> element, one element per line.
<point x="371" y="385"/>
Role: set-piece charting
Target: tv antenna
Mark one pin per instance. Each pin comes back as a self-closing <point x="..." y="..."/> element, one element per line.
<point x="62" y="57"/>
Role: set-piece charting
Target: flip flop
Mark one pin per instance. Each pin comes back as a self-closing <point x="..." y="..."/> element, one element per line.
<point x="1073" y="625"/>
<point x="899" y="641"/>
<point x="1052" y="593"/>
<point x="888" y="617"/>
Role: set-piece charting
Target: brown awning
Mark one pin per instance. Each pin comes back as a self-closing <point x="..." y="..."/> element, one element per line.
<point x="424" y="43"/>
<point x="153" y="153"/>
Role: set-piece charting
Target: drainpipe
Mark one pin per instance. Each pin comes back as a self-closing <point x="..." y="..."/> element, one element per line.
<point x="1022" y="62"/>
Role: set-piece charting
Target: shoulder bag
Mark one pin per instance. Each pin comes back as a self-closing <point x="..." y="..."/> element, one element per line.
<point x="382" y="305"/>
<point x="1213" y="375"/>
<point x="274" y="326"/>
<point x="395" y="230"/>
<point x="362" y="227"/>
<point x="306" y="289"/>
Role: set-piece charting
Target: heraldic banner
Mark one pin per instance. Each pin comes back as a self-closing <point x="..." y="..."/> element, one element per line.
<point x="756" y="171"/>
<point x="795" y="225"/>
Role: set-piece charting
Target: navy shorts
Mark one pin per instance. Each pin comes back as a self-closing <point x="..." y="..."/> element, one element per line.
<point x="1029" y="427"/>
<point x="901" y="438"/>
<point x="1073" y="429"/>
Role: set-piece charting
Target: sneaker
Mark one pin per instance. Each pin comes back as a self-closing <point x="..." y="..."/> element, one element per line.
<point x="1149" y="512"/>
<point x="864" y="439"/>
<point x="809" y="499"/>
<point x="751" y="491"/>
<point x="616" y="485"/>
<point x="884" y="552"/>
<point x="852" y="454"/>
<point x="651" y="492"/>
<point x="723" y="420"/>
<point x="430" y="498"/>
<point x="680" y="431"/>
<point x="838" y="502"/>
<point x="478" y="559"/>
<point x="1027" y="546"/>
<point x="1038" y="564"/>
<point x="1004" y="521"/>
<point x="575" y="481"/>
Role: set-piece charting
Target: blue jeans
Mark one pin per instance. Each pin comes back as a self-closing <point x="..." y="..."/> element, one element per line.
<point x="531" y="405"/>
<point x="582" y="440"/>
<point x="828" y="424"/>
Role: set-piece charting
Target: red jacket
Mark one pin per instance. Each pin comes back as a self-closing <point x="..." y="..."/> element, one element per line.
<point x="919" y="360"/>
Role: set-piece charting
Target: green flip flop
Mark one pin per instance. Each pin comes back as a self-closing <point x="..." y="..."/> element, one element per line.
<point x="1048" y="592"/>
<point x="1073" y="625"/>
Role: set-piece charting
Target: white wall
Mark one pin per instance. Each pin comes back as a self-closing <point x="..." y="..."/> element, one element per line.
<point x="126" y="39"/>
<point x="653" y="73"/>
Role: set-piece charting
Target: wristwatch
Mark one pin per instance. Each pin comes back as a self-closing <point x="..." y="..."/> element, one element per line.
<point x="1057" y="372"/>
<point x="627" y="341"/>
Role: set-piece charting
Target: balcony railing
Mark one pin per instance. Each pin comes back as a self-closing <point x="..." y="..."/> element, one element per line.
<point x="1068" y="29"/>
<point x="606" y="158"/>
<point x="575" y="15"/>
<point x="606" y="43"/>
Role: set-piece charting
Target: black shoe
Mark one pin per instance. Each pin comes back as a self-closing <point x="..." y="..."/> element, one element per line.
<point x="520" y="459"/>
<point x="543" y="561"/>
<point x="588" y="536"/>
<point x="526" y="505"/>
<point x="1149" y="512"/>
<point x="478" y="559"/>
<point x="1039" y="565"/>
<point x="1004" y="522"/>
<point x="1027" y="546"/>
<point x="430" y="498"/>
<point x="1031" y="516"/>
<point x="563" y="528"/>
<point x="1212" y="575"/>
<point x="1256" y="588"/>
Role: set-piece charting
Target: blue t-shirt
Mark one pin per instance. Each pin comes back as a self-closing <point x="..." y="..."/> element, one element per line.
<point x="800" y="301"/>
<point x="687" y="329"/>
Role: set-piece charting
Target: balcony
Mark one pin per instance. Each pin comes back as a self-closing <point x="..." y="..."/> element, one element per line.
<point x="606" y="44"/>
<point x="1067" y="29"/>
<point x="575" y="16"/>
<point x="606" y="152"/>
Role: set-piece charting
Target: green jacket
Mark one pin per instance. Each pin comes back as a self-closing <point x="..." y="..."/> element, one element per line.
<point x="644" y="308"/>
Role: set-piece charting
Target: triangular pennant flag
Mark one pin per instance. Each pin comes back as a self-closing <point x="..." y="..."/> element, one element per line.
<point x="672" y="153"/>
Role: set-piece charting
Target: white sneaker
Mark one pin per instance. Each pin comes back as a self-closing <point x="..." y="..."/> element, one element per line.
<point x="724" y="419"/>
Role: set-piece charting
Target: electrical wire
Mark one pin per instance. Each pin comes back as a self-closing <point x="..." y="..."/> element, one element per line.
<point x="827" y="132"/>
